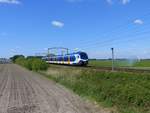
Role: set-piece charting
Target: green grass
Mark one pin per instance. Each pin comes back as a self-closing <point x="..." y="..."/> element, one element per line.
<point x="129" y="92"/>
<point x="100" y="63"/>
<point x="142" y="63"/>
<point x="120" y="63"/>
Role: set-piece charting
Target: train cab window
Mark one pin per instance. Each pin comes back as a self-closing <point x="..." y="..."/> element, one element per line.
<point x="83" y="56"/>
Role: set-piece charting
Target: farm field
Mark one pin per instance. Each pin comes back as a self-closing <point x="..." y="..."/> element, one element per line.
<point x="120" y="63"/>
<point x="120" y="91"/>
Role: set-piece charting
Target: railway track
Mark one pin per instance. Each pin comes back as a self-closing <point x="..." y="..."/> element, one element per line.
<point x="120" y="69"/>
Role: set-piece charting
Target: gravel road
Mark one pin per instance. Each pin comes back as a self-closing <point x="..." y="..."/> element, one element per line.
<point x="22" y="91"/>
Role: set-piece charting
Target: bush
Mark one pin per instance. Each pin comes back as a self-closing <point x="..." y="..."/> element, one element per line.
<point x="21" y="61"/>
<point x="34" y="64"/>
<point x="38" y="64"/>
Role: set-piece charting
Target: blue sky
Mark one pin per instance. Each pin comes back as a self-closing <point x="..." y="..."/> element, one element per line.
<point x="94" y="26"/>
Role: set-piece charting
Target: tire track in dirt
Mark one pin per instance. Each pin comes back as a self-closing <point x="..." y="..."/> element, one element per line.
<point x="4" y="94"/>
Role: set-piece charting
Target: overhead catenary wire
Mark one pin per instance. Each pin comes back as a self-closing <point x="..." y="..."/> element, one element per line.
<point x="111" y="44"/>
<point x="117" y="41"/>
<point x="136" y="32"/>
<point x="115" y="37"/>
<point x="129" y="22"/>
<point x="93" y="42"/>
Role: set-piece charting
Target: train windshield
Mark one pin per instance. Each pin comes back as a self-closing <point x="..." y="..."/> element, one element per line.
<point x="83" y="56"/>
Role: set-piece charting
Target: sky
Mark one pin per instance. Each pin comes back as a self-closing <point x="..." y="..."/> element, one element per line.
<point x="29" y="27"/>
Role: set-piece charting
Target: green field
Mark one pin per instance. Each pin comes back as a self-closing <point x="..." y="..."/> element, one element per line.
<point x="125" y="92"/>
<point x="120" y="63"/>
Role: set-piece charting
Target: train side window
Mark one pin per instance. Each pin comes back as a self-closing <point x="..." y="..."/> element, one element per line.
<point x="60" y="59"/>
<point x="72" y="58"/>
<point x="66" y="58"/>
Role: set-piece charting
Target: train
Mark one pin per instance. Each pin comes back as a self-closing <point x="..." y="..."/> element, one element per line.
<point x="76" y="58"/>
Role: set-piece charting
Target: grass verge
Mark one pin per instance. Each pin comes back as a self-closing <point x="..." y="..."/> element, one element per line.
<point x="129" y="92"/>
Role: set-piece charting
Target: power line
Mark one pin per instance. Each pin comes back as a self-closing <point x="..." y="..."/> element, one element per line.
<point x="109" y="42"/>
<point x="129" y="22"/>
<point x="114" y="37"/>
<point x="120" y="26"/>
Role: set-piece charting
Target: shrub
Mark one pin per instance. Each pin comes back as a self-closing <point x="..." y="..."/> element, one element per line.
<point x="34" y="64"/>
<point x="38" y="64"/>
<point x="21" y="61"/>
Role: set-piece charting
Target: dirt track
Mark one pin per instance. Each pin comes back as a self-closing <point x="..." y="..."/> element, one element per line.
<point x="22" y="91"/>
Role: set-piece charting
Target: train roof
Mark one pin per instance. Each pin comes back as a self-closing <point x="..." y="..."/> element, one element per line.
<point x="75" y="53"/>
<point x="79" y="52"/>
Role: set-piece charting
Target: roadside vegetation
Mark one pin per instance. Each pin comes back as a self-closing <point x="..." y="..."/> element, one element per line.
<point x="126" y="92"/>
<point x="31" y="63"/>
<point x="121" y="63"/>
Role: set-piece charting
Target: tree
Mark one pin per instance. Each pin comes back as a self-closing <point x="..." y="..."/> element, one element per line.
<point x="16" y="57"/>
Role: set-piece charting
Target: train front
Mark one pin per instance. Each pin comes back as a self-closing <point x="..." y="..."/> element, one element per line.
<point x="83" y="59"/>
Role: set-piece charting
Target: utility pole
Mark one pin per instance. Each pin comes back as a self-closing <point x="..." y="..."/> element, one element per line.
<point x="112" y="49"/>
<point x="48" y="52"/>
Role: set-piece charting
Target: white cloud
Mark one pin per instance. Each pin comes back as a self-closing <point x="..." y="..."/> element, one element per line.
<point x="109" y="1"/>
<point x="57" y="24"/>
<point x="124" y="2"/>
<point x="138" y="21"/>
<point x="71" y="1"/>
<point x="10" y="2"/>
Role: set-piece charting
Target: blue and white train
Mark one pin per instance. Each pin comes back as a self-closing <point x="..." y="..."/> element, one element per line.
<point x="78" y="58"/>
